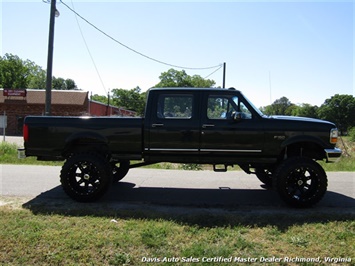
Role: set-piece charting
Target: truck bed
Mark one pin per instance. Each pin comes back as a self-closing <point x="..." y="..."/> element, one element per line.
<point x="50" y="137"/>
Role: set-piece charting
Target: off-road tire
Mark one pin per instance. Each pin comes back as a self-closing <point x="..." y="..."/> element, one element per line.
<point x="86" y="177"/>
<point x="300" y="182"/>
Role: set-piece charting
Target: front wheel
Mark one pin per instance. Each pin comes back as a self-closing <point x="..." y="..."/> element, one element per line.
<point x="300" y="182"/>
<point x="86" y="177"/>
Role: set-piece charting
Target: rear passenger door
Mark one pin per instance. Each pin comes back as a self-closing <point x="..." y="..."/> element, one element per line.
<point x="174" y="127"/>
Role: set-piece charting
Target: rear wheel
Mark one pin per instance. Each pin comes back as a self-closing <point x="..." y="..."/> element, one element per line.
<point x="86" y="177"/>
<point x="301" y="182"/>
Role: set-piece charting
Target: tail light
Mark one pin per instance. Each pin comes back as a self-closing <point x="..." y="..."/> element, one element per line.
<point x="334" y="135"/>
<point x="25" y="132"/>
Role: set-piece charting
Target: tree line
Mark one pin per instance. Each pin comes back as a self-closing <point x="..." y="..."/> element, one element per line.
<point x="18" y="73"/>
<point x="339" y="109"/>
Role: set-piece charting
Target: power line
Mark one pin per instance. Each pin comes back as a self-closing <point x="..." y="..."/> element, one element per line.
<point x="87" y="48"/>
<point x="214" y="71"/>
<point x="135" y="51"/>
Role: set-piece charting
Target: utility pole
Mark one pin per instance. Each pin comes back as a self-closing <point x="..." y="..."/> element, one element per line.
<point x="224" y="75"/>
<point x="50" y="59"/>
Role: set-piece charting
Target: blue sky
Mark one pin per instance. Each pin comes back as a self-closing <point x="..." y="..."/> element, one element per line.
<point x="302" y="50"/>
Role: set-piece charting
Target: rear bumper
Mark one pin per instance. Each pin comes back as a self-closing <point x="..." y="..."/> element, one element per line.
<point x="332" y="154"/>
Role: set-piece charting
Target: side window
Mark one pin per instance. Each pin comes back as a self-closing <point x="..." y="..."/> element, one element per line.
<point x="175" y="106"/>
<point x="246" y="114"/>
<point x="219" y="107"/>
<point x="223" y="106"/>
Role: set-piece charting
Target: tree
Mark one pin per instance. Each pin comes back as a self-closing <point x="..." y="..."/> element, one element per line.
<point x="99" y="98"/>
<point x="305" y="110"/>
<point x="13" y="73"/>
<point x="281" y="106"/>
<point x="63" y="84"/>
<point x="175" y="78"/>
<point x="339" y="109"/>
<point x="37" y="76"/>
<point x="16" y="73"/>
<point x="130" y="99"/>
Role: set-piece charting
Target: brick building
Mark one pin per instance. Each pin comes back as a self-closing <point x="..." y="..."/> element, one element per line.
<point x="101" y="109"/>
<point x="17" y="104"/>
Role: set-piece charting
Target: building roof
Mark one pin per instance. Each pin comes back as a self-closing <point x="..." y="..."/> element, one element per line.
<point x="67" y="97"/>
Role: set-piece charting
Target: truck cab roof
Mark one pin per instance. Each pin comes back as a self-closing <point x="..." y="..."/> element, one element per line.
<point x="195" y="89"/>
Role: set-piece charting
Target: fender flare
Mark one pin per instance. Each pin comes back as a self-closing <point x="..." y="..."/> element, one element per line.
<point x="302" y="139"/>
<point x="77" y="137"/>
<point x="86" y="135"/>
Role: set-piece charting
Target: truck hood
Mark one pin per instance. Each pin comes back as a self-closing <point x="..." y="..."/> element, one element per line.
<point x="300" y="119"/>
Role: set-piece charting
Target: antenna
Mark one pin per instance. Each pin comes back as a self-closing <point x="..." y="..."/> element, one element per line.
<point x="270" y="87"/>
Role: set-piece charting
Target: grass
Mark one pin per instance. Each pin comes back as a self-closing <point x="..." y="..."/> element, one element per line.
<point x="8" y="155"/>
<point x="36" y="237"/>
<point x="93" y="234"/>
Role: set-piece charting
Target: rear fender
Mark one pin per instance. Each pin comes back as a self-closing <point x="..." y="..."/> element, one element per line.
<point x="86" y="141"/>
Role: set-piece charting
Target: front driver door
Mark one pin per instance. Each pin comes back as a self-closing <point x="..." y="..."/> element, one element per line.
<point x="224" y="139"/>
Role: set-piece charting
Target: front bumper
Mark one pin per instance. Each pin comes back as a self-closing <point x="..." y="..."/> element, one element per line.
<point x="332" y="154"/>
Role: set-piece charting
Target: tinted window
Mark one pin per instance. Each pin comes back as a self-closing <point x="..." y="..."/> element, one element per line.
<point x="172" y="106"/>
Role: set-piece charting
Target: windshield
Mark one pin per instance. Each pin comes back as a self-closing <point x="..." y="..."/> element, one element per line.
<point x="253" y="106"/>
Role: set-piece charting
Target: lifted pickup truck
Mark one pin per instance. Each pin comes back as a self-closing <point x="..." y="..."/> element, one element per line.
<point x="188" y="125"/>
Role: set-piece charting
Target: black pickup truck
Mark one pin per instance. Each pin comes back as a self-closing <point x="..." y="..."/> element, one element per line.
<point x="188" y="125"/>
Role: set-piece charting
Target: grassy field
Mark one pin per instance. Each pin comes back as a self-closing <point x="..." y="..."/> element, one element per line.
<point x="8" y="155"/>
<point x="83" y="236"/>
<point x="97" y="234"/>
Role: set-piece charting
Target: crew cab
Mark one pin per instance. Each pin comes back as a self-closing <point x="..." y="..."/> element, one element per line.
<point x="188" y="125"/>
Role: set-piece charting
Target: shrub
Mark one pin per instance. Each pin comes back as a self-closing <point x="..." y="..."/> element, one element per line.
<point x="352" y="134"/>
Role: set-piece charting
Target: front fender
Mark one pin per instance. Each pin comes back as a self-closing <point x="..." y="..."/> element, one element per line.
<point x="303" y="139"/>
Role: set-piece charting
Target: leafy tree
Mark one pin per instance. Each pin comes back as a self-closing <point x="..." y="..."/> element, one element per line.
<point x="63" y="84"/>
<point x="99" y="98"/>
<point x="175" y="78"/>
<point x="16" y="73"/>
<point x="305" y="110"/>
<point x="130" y="99"/>
<point x="282" y="106"/>
<point x="13" y="72"/>
<point x="37" y="76"/>
<point x="199" y="82"/>
<point x="339" y="109"/>
<point x="70" y="84"/>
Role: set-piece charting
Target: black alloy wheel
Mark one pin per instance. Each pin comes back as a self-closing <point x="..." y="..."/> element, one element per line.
<point x="301" y="182"/>
<point x="86" y="177"/>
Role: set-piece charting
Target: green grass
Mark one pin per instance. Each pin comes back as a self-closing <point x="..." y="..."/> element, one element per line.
<point x="40" y="238"/>
<point x="8" y="155"/>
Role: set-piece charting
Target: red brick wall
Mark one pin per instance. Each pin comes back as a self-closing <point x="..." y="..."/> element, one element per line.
<point x="17" y="109"/>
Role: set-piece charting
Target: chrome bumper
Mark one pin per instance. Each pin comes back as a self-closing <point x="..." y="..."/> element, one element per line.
<point x="332" y="154"/>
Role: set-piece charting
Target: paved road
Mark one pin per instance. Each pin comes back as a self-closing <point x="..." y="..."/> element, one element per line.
<point x="232" y="189"/>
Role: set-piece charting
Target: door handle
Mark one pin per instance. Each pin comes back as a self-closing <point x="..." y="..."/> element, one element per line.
<point x="157" y="125"/>
<point x="207" y="125"/>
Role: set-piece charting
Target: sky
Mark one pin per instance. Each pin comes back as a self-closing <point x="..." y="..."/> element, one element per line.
<point x="302" y="50"/>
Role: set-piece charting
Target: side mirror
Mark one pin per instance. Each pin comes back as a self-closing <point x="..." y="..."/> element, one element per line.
<point x="237" y="116"/>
